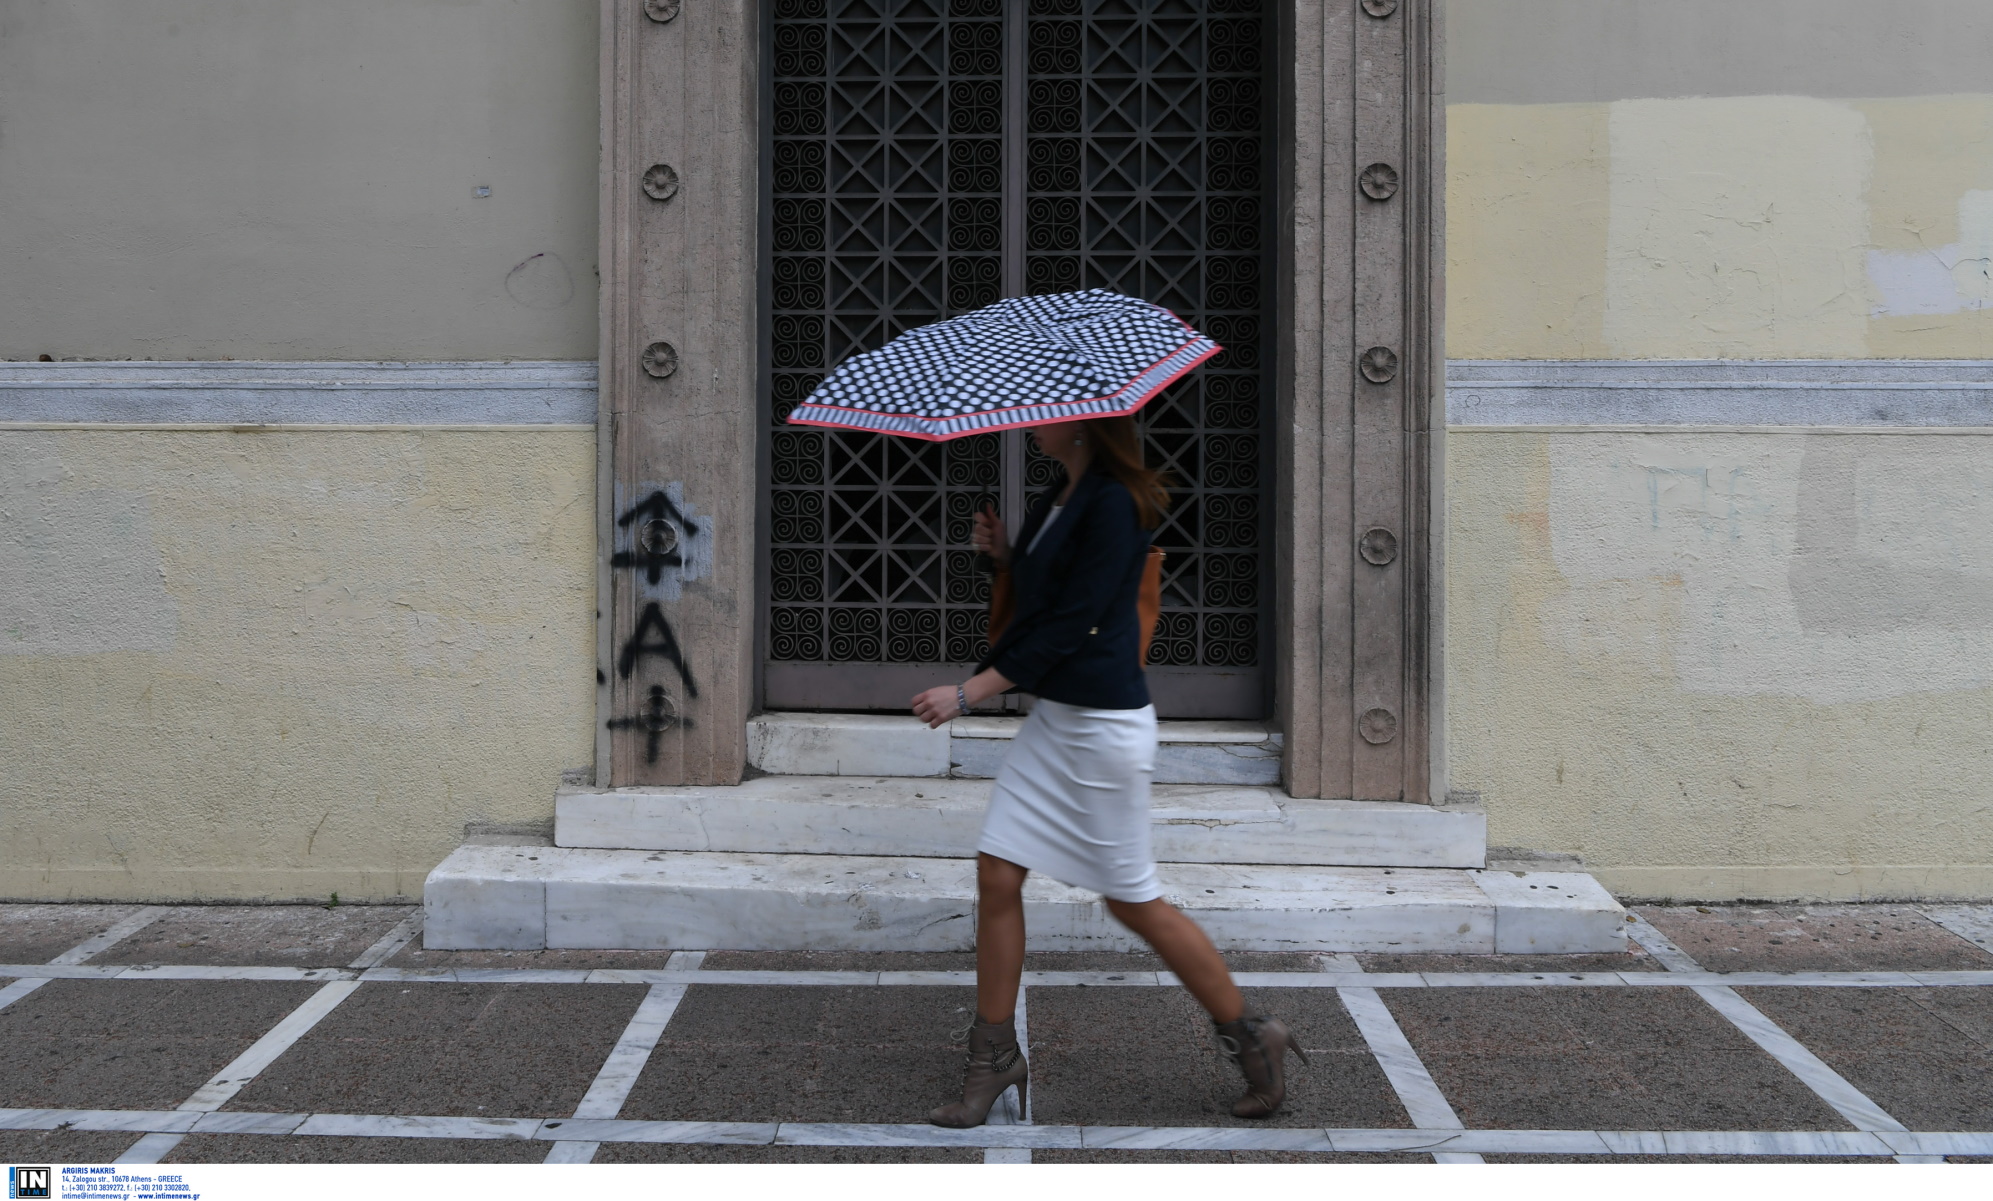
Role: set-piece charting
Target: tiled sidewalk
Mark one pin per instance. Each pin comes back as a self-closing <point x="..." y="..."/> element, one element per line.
<point x="300" y="1034"/>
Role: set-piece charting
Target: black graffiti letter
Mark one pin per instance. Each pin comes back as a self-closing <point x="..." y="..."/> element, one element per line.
<point x="656" y="539"/>
<point x="658" y="715"/>
<point x="666" y="644"/>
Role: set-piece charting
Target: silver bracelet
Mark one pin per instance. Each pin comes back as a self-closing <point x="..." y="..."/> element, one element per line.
<point x="962" y="700"/>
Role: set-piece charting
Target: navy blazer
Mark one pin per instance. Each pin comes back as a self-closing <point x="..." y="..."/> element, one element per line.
<point x="1073" y="636"/>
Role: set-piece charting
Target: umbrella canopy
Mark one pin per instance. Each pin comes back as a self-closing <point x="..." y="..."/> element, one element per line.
<point x="1018" y="362"/>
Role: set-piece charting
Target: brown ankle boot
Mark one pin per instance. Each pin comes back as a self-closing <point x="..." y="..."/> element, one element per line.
<point x="1259" y="1045"/>
<point x="995" y="1063"/>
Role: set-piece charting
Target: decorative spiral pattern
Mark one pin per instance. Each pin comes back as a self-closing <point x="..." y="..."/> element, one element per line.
<point x="1145" y="166"/>
<point x="887" y="187"/>
<point x="1145" y="169"/>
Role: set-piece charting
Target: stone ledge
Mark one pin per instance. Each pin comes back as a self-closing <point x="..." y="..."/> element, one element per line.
<point x="941" y="818"/>
<point x="512" y="898"/>
<point x="849" y="744"/>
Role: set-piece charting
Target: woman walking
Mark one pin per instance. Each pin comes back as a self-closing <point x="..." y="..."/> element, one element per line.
<point x="1072" y="798"/>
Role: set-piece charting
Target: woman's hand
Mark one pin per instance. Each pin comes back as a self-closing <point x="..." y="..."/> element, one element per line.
<point x="991" y="538"/>
<point x="939" y="706"/>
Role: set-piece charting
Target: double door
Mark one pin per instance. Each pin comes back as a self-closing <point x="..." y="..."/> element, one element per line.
<point x="924" y="158"/>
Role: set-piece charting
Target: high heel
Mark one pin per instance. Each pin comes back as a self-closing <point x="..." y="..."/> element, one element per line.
<point x="995" y="1063"/>
<point x="1259" y="1045"/>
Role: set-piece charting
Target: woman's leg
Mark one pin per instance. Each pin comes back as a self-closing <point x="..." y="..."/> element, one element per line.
<point x="999" y="937"/>
<point x="1187" y="950"/>
<point x="1258" y="1044"/>
<point x="995" y="1061"/>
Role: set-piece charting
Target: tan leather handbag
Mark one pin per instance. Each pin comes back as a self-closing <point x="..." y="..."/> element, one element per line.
<point x="1148" y="602"/>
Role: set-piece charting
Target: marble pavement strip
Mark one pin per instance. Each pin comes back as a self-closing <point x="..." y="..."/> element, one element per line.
<point x="1417" y="1092"/>
<point x="89" y="948"/>
<point x="222" y="1087"/>
<point x="1191" y="1138"/>
<point x="361" y="1125"/>
<point x="1827" y="1084"/>
<point x="1423" y="1102"/>
<point x="905" y="979"/>
<point x="1879" y="1144"/>
<point x="1396" y="1056"/>
<point x="860" y="1134"/>
<point x="136" y="1120"/>
<point x="626" y="1060"/>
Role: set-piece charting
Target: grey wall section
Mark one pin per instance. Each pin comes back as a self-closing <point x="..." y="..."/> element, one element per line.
<point x="207" y="179"/>
<point x="1553" y="51"/>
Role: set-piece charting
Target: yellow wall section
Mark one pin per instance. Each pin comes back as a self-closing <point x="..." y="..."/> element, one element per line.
<point x="1737" y="229"/>
<point x="1526" y="199"/>
<point x="342" y="647"/>
<point x="1740" y="227"/>
<point x="1723" y="665"/>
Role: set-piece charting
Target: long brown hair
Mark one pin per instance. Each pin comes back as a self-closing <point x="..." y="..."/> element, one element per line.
<point x="1117" y="446"/>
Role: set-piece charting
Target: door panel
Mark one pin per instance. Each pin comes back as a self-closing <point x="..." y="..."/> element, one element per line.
<point x="903" y="191"/>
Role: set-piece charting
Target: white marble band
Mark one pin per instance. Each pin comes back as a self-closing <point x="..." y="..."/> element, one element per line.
<point x="22" y="972"/>
<point x="1879" y="1143"/>
<point x="1726" y="392"/>
<point x="278" y="393"/>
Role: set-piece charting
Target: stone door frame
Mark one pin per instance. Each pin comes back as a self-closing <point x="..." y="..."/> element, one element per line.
<point x="1357" y="436"/>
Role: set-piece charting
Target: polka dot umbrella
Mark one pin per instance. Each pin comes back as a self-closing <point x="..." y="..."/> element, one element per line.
<point x="1018" y="362"/>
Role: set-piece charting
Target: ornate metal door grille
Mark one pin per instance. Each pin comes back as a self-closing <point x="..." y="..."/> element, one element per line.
<point x="897" y="169"/>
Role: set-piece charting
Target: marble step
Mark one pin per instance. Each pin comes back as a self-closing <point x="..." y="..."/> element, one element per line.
<point x="878" y="744"/>
<point x="940" y="818"/>
<point x="529" y="898"/>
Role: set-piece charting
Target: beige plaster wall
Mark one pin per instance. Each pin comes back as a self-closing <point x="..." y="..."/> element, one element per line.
<point x="284" y="664"/>
<point x="196" y="179"/>
<point x="1728" y="665"/>
<point x="1724" y="665"/>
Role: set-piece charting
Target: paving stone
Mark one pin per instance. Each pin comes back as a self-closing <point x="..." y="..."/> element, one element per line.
<point x="745" y="1053"/>
<point x="1926" y="1072"/>
<point x="63" y="1146"/>
<point x="1062" y="1155"/>
<point x="471" y="1050"/>
<point x="1599" y="1059"/>
<point x="688" y="1153"/>
<point x="268" y="1148"/>
<point x="274" y="935"/>
<point x="416" y="955"/>
<point x="1968" y="1010"/>
<point x="1147" y="1057"/>
<point x="1815" y="938"/>
<point x="1636" y="960"/>
<point x="111" y="1044"/>
<point x="38" y="933"/>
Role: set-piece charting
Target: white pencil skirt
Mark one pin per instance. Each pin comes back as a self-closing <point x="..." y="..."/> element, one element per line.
<point x="1072" y="800"/>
